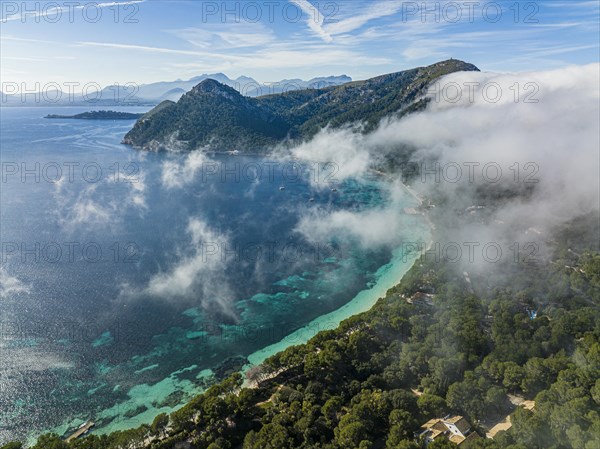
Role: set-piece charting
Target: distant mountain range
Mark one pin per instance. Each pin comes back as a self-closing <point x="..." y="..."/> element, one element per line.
<point x="216" y="116"/>
<point x="247" y="86"/>
<point x="153" y="94"/>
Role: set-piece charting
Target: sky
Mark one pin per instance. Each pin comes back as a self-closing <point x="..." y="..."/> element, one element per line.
<point x="143" y="41"/>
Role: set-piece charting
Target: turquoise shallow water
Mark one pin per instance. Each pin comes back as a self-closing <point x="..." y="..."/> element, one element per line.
<point x="139" y="278"/>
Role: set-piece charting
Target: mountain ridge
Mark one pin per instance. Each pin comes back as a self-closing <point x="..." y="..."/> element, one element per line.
<point x="218" y="117"/>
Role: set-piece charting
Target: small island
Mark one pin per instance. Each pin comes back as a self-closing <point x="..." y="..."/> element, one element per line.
<point x="99" y="115"/>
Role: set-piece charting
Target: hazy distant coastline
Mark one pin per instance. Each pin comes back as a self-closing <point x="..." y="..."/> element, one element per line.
<point x="98" y="115"/>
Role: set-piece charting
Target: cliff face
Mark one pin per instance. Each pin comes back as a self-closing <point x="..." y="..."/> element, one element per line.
<point x="217" y="116"/>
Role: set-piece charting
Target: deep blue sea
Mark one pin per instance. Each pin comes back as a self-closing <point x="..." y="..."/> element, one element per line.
<point x="131" y="280"/>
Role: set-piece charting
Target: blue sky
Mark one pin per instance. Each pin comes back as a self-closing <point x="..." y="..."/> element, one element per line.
<point x="144" y="41"/>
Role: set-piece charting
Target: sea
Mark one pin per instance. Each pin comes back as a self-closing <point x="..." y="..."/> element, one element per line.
<point x="132" y="280"/>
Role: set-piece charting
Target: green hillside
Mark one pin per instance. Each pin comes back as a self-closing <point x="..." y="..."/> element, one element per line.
<point x="219" y="117"/>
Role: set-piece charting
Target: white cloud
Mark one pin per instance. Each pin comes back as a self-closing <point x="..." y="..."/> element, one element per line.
<point x="198" y="276"/>
<point x="371" y="228"/>
<point x="10" y="284"/>
<point x="559" y="134"/>
<point x="235" y="35"/>
<point x="314" y="19"/>
<point x="132" y="177"/>
<point x="355" y="16"/>
<point x="58" y="11"/>
<point x="373" y="11"/>
<point x="125" y="3"/>
<point x="87" y="211"/>
<point x="82" y="207"/>
<point x="340" y="149"/>
<point x="179" y="172"/>
<point x="85" y="204"/>
<point x="145" y="48"/>
<point x="137" y="190"/>
<point x="573" y="4"/>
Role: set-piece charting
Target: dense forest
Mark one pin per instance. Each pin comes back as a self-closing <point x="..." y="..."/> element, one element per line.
<point x="434" y="346"/>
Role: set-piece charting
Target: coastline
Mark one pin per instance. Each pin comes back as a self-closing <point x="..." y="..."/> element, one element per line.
<point x="388" y="276"/>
